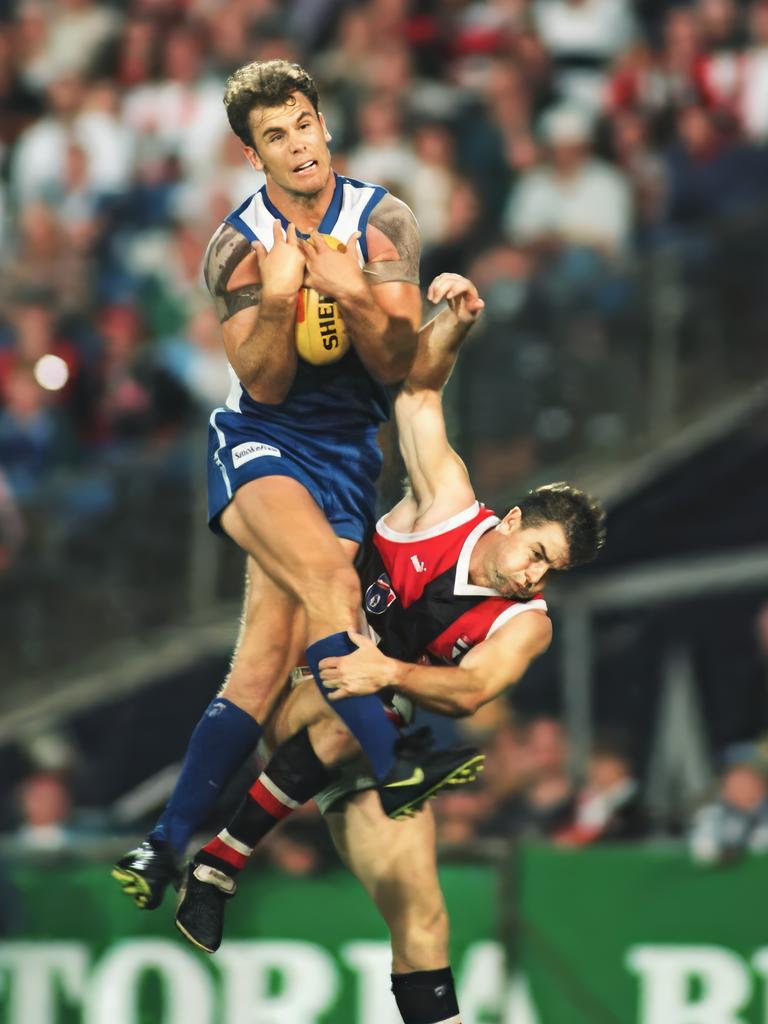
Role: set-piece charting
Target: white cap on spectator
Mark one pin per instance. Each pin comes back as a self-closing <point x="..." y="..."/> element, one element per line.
<point x="565" y="125"/>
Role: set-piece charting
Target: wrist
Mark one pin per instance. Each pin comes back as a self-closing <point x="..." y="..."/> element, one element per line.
<point x="275" y="303"/>
<point x="352" y="292"/>
<point x="397" y="671"/>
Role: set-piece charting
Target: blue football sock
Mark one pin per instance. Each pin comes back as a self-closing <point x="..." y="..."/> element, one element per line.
<point x="222" y="740"/>
<point x="364" y="716"/>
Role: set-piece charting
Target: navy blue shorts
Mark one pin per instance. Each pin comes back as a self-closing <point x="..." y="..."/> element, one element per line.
<point x="338" y="470"/>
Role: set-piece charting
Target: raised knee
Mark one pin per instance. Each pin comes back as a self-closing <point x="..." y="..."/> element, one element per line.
<point x="337" y="587"/>
<point x="332" y="741"/>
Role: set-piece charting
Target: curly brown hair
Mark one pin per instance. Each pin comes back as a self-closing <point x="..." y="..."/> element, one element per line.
<point x="580" y="515"/>
<point x="264" y="83"/>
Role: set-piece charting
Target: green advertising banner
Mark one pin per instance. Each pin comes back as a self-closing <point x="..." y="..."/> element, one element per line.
<point x="603" y="936"/>
<point x="298" y="951"/>
<point x="619" y="935"/>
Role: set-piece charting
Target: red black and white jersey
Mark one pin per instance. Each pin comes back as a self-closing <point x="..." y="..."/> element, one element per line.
<point x="417" y="596"/>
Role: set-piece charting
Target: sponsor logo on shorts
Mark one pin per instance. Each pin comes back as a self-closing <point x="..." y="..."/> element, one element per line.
<point x="252" y="450"/>
<point x="380" y="595"/>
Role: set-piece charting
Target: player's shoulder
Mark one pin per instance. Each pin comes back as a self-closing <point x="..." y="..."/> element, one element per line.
<point x="389" y="211"/>
<point x="439" y="525"/>
<point x="393" y="241"/>
<point x="526" y="622"/>
<point x="224" y="253"/>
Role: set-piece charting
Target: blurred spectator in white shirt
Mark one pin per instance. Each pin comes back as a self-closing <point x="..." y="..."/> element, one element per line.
<point x="384" y="154"/>
<point x="573" y="199"/>
<point x="78" y="32"/>
<point x="46" y="809"/>
<point x="737" y="822"/>
<point x="232" y="181"/>
<point x="90" y="118"/>
<point x="180" y="114"/>
<point x="583" y="37"/>
<point x="433" y="182"/>
<point x="754" y="98"/>
<point x="608" y="806"/>
<point x="196" y="359"/>
<point x="39" y="155"/>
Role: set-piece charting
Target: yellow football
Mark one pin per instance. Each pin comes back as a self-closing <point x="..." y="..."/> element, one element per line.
<point x="321" y="336"/>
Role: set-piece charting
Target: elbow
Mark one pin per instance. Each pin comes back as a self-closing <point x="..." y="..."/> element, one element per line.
<point x="391" y="374"/>
<point x="273" y="395"/>
<point x="467" y="705"/>
<point x="398" y="356"/>
<point x="394" y="367"/>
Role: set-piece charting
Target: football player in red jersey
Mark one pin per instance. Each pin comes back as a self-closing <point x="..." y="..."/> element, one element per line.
<point x="446" y="579"/>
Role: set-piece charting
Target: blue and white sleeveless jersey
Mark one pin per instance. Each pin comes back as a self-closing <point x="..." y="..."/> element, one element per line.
<point x="343" y="396"/>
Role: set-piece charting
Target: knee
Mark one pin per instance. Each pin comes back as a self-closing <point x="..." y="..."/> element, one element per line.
<point x="258" y="666"/>
<point x="335" y="589"/>
<point x="332" y="741"/>
<point x="251" y="695"/>
<point x="255" y="677"/>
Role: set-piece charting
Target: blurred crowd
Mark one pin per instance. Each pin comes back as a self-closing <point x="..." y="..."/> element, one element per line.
<point x="526" y="791"/>
<point x="544" y="145"/>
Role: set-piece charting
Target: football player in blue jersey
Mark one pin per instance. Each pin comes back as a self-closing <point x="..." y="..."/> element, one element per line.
<point x="293" y="457"/>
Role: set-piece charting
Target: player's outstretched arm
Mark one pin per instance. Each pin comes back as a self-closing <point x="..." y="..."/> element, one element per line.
<point x="458" y="691"/>
<point x="441" y="338"/>
<point x="439" y="480"/>
<point x="380" y="303"/>
<point x="255" y="295"/>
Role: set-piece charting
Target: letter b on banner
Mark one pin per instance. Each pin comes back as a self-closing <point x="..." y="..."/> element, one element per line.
<point x="690" y="984"/>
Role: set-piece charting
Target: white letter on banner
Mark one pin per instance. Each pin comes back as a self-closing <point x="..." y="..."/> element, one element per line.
<point x="307" y="989"/>
<point x="666" y="973"/>
<point x="116" y="981"/>
<point x="760" y="963"/>
<point x="372" y="961"/>
<point x="481" y="982"/>
<point x="519" y="1008"/>
<point x="33" y="970"/>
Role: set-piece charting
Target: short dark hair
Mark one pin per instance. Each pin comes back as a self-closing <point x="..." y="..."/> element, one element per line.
<point x="264" y="83"/>
<point x="580" y="515"/>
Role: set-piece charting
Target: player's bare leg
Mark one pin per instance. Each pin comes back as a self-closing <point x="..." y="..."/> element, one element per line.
<point x="271" y="638"/>
<point x="309" y="741"/>
<point x="278" y="523"/>
<point x="396" y="862"/>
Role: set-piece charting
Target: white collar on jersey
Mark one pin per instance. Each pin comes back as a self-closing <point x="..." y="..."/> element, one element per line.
<point x="434" y="531"/>
<point x="462" y="587"/>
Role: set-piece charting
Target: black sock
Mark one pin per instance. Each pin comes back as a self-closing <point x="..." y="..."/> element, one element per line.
<point x="426" y="997"/>
<point x="293" y="776"/>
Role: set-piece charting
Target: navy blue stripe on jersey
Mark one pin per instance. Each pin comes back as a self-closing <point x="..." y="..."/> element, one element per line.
<point x="378" y="195"/>
<point x="330" y="216"/>
<point x="237" y="221"/>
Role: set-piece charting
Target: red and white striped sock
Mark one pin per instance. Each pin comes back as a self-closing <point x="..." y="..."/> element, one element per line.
<point x="292" y="777"/>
